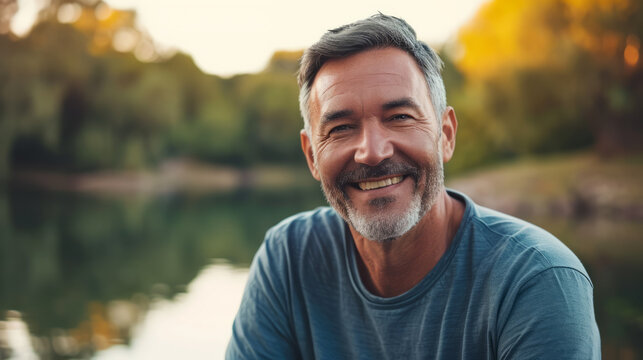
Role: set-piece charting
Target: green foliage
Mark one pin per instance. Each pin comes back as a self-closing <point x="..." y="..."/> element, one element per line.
<point x="64" y="251"/>
<point x="64" y="104"/>
<point x="285" y="62"/>
<point x="569" y="84"/>
<point x="272" y="115"/>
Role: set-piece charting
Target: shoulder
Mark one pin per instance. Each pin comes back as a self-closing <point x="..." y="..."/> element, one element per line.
<point x="527" y="241"/>
<point x="294" y="230"/>
<point x="264" y="325"/>
<point x="320" y="219"/>
<point x="282" y="253"/>
<point x="302" y="233"/>
<point x="539" y="293"/>
<point x="516" y="246"/>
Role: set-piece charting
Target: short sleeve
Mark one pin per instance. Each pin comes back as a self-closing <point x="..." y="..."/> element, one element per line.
<point x="552" y="317"/>
<point x="262" y="328"/>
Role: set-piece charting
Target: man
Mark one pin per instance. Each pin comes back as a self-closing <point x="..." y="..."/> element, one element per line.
<point x="400" y="267"/>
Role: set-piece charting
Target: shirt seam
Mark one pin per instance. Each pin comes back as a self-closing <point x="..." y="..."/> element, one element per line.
<point x="554" y="267"/>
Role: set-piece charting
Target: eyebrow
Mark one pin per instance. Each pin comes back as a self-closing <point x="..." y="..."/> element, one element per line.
<point x="403" y="102"/>
<point x="334" y="115"/>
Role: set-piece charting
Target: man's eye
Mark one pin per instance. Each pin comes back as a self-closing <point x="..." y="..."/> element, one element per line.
<point x="400" y="117"/>
<point x="339" y="128"/>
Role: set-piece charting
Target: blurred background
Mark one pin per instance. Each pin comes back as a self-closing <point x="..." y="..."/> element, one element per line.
<point x="146" y="147"/>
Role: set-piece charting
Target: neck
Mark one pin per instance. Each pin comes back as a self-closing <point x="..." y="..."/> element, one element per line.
<point x="391" y="268"/>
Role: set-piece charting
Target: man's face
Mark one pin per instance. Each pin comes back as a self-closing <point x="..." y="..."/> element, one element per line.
<point x="375" y="141"/>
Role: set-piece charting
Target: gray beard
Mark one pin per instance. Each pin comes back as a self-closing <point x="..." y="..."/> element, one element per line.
<point x="384" y="226"/>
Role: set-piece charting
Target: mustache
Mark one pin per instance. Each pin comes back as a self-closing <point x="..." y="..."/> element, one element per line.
<point x="385" y="168"/>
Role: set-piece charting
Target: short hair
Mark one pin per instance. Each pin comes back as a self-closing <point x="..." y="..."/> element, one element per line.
<point x="377" y="31"/>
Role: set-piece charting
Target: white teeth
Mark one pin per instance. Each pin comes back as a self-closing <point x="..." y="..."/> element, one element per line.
<point x="370" y="185"/>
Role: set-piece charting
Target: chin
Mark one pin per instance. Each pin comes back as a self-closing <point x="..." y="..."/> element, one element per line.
<point x="383" y="226"/>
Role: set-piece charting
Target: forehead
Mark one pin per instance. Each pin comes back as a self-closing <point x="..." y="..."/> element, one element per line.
<point x="369" y="77"/>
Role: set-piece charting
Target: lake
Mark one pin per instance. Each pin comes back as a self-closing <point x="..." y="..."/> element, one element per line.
<point x="160" y="277"/>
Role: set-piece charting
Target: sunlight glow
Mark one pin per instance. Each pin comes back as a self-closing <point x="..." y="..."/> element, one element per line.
<point x="631" y="53"/>
<point x="125" y="40"/>
<point x="68" y="13"/>
<point x="103" y="11"/>
<point x="227" y="38"/>
<point x="200" y="320"/>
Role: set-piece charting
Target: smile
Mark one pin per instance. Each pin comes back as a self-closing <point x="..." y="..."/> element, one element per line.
<point x="370" y="185"/>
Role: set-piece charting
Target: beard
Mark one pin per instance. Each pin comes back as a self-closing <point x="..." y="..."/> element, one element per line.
<point x="382" y="225"/>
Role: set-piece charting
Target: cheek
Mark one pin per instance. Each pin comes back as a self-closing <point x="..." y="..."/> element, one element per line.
<point x="418" y="146"/>
<point x="332" y="159"/>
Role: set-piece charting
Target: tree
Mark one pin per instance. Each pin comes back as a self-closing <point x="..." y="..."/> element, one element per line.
<point x="556" y="74"/>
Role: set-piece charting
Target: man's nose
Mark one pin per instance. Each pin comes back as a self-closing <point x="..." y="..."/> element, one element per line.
<point x="374" y="145"/>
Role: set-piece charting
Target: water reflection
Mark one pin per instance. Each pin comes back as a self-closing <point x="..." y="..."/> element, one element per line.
<point x="84" y="270"/>
<point x="15" y="340"/>
<point x="195" y="325"/>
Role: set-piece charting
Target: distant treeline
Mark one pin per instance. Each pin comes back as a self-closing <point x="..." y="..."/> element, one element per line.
<point x="525" y="78"/>
<point x="63" y="107"/>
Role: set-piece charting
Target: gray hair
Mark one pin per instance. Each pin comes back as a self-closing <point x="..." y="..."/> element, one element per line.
<point x="377" y="31"/>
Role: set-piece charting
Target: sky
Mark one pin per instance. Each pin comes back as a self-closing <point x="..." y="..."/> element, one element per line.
<point x="239" y="36"/>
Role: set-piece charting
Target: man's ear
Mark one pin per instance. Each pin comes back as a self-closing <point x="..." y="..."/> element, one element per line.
<point x="307" y="148"/>
<point x="449" y="130"/>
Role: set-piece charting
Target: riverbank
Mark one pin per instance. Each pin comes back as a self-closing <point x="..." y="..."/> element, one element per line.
<point x="570" y="185"/>
<point x="177" y="175"/>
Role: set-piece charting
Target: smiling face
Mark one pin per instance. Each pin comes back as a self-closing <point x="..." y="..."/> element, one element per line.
<point x="375" y="141"/>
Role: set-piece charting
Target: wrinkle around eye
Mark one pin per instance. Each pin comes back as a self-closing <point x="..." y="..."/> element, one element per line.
<point x="322" y="143"/>
<point x="330" y="136"/>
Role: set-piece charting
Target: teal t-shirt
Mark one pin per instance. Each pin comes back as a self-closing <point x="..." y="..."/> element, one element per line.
<point x="505" y="289"/>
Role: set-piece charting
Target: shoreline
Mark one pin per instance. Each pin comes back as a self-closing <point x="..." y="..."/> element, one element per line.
<point x="577" y="186"/>
<point x="569" y="185"/>
<point x="180" y="175"/>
